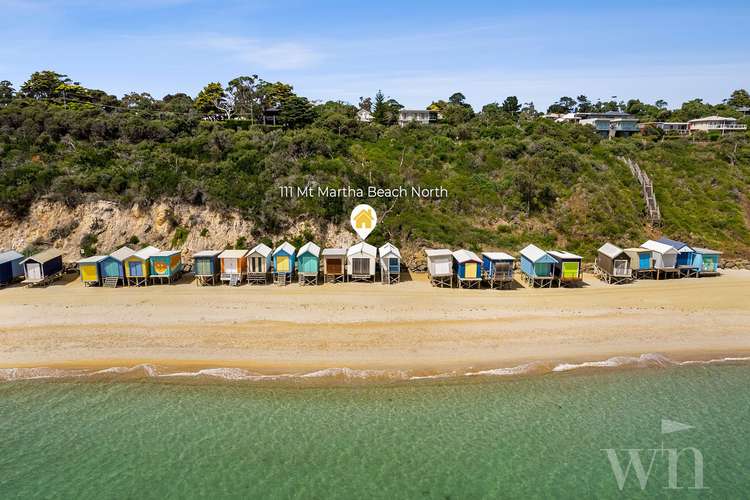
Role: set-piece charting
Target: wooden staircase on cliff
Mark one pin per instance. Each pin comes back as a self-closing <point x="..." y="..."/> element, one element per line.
<point x="647" y="189"/>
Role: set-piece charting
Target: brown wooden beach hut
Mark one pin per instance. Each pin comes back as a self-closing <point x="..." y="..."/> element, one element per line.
<point x="334" y="265"/>
<point x="613" y="265"/>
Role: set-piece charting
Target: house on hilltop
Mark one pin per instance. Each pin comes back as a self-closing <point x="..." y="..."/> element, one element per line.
<point x="421" y="116"/>
<point x="715" y="124"/>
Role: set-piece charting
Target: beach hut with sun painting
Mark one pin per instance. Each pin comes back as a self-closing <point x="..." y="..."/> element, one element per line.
<point x="10" y="267"/>
<point x="283" y="263"/>
<point x="334" y="265"/>
<point x="613" y="265"/>
<point x="43" y="268"/>
<point x="259" y="264"/>
<point x="468" y="269"/>
<point x="360" y="260"/>
<point x="308" y="264"/>
<point x="206" y="267"/>
<point x="137" y="266"/>
<point x="497" y="269"/>
<point x="390" y="264"/>
<point x="440" y="266"/>
<point x="90" y="269"/>
<point x="665" y="259"/>
<point x="537" y="267"/>
<point x="233" y="266"/>
<point x="165" y="266"/>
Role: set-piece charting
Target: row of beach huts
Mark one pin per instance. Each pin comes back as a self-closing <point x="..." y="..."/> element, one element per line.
<point x="655" y="259"/>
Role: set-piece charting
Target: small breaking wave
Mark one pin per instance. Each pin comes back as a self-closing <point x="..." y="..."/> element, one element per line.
<point x="648" y="360"/>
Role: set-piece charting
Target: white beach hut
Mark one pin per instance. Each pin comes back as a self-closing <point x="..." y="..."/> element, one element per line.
<point x="440" y="266"/>
<point x="665" y="258"/>
<point x="259" y="264"/>
<point x="360" y="260"/>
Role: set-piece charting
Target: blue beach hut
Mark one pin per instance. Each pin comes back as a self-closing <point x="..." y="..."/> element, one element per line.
<point x="497" y="268"/>
<point x="685" y="256"/>
<point x="206" y="267"/>
<point x="283" y="263"/>
<point x="113" y="266"/>
<point x="706" y="261"/>
<point x="10" y="267"/>
<point x="537" y="266"/>
<point x="468" y="268"/>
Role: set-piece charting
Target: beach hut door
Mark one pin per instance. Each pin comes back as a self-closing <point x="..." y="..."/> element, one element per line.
<point x="112" y="268"/>
<point x="393" y="266"/>
<point x="470" y="270"/>
<point x="334" y="266"/>
<point x="230" y="266"/>
<point x="282" y="264"/>
<point x="442" y="268"/>
<point x="203" y="267"/>
<point x="644" y="261"/>
<point x="360" y="265"/>
<point x="570" y="269"/>
<point x="135" y="268"/>
<point x="34" y="270"/>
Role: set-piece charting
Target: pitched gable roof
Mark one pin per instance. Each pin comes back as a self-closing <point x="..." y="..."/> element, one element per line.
<point x="261" y="249"/>
<point x="285" y="247"/>
<point x="310" y="248"/>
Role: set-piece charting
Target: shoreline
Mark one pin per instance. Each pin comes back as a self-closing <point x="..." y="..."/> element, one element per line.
<point x="408" y="328"/>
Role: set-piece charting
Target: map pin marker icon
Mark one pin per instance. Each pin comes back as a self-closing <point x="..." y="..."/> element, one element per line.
<point x="363" y="220"/>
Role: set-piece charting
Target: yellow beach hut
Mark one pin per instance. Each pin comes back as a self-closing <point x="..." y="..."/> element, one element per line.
<point x="137" y="266"/>
<point x="90" y="270"/>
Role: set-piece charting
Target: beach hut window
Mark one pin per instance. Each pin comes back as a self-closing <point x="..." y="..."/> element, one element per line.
<point x="34" y="270"/>
<point x="282" y="264"/>
<point x="470" y="269"/>
<point x="203" y="267"/>
<point x="393" y="265"/>
<point x="570" y="269"/>
<point x="541" y="269"/>
<point x="361" y="265"/>
<point x="136" y="268"/>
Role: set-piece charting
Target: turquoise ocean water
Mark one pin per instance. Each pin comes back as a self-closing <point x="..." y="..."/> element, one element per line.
<point x="542" y="436"/>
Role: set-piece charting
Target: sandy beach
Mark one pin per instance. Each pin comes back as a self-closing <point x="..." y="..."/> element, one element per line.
<point x="411" y="326"/>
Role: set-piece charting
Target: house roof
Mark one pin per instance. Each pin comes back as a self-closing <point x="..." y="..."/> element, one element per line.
<point x="285" y="247"/>
<point x="536" y="254"/>
<point x="233" y="254"/>
<point x="362" y="247"/>
<point x="92" y="260"/>
<point x="388" y="249"/>
<point x="165" y="253"/>
<point x="145" y="253"/>
<point x="713" y="118"/>
<point x="334" y="252"/>
<point x="610" y="250"/>
<point x="659" y="247"/>
<point x="262" y="249"/>
<point x="677" y="245"/>
<point x="207" y="253"/>
<point x="45" y="256"/>
<point x="706" y="251"/>
<point x="462" y="256"/>
<point x="310" y="248"/>
<point x="438" y="252"/>
<point x="122" y="253"/>
<point x="563" y="255"/>
<point x="498" y="256"/>
<point x="9" y="256"/>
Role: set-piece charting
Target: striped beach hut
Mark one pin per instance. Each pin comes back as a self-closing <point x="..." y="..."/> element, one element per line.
<point x="685" y="257"/>
<point x="468" y="269"/>
<point x="567" y="267"/>
<point x="537" y="267"/>
<point x="613" y="265"/>
<point x="10" y="267"/>
<point x="390" y="264"/>
<point x="90" y="270"/>
<point x="283" y="263"/>
<point x="664" y="258"/>
<point x="334" y="265"/>
<point x="113" y="267"/>
<point x="43" y="268"/>
<point x="233" y="266"/>
<point x="440" y="266"/>
<point x="259" y="264"/>
<point x="497" y="269"/>
<point x="641" y="262"/>
<point x="206" y="267"/>
<point x="308" y="264"/>
<point x="707" y="261"/>
<point x="165" y="266"/>
<point x="360" y="262"/>
<point x="137" y="266"/>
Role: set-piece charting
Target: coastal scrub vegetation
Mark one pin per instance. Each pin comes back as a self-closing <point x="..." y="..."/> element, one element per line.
<point x="512" y="176"/>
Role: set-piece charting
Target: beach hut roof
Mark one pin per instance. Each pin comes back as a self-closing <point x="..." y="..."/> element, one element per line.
<point x="706" y="251"/>
<point x="388" y="249"/>
<point x="677" y="245"/>
<point x="262" y="249"/>
<point x="122" y="253"/>
<point x="207" y="253"/>
<point x="92" y="260"/>
<point x="659" y="247"/>
<point x="462" y="256"/>
<point x="610" y="250"/>
<point x="165" y="253"/>
<point x="438" y="252"/>
<point x="334" y="252"/>
<point x="498" y="256"/>
<point x="145" y="253"/>
<point x="45" y="256"/>
<point x="310" y="248"/>
<point x="563" y="255"/>
<point x="362" y="247"/>
<point x="285" y="247"/>
<point x="232" y="254"/>
<point x="637" y="249"/>
<point x="536" y="254"/>
<point x="9" y="255"/>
